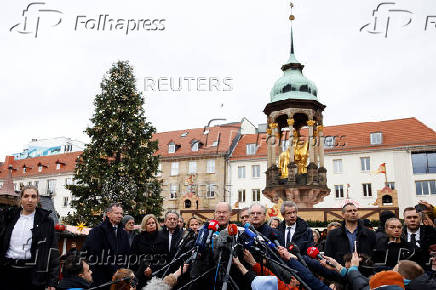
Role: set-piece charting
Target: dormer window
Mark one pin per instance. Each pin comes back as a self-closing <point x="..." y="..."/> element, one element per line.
<point x="251" y="149"/>
<point x="24" y="169"/>
<point x="172" y="147"/>
<point x="194" y="146"/>
<point x="376" y="138"/>
<point x="58" y="166"/>
<point x="329" y="142"/>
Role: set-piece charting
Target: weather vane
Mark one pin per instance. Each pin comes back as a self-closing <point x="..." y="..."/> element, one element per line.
<point x="291" y="17"/>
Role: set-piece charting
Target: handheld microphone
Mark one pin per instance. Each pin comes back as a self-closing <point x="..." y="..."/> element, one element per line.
<point x="313" y="252"/>
<point x="232" y="229"/>
<point x="213" y="227"/>
<point x="186" y="236"/>
<point x="294" y="249"/>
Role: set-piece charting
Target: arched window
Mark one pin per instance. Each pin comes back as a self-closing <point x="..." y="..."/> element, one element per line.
<point x="386" y="199"/>
<point x="188" y="203"/>
<point x="304" y="88"/>
<point x="287" y="88"/>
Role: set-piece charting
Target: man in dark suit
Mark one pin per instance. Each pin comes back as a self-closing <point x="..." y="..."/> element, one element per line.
<point x="420" y="236"/>
<point x="294" y="229"/>
<point x="170" y="234"/>
<point x="105" y="244"/>
<point x="352" y="232"/>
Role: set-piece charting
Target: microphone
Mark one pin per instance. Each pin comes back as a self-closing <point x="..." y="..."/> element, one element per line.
<point x="294" y="249"/>
<point x="313" y="252"/>
<point x="232" y="229"/>
<point x="213" y="227"/>
<point x="186" y="236"/>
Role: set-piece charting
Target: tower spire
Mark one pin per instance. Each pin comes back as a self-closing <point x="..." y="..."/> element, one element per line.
<point x="292" y="61"/>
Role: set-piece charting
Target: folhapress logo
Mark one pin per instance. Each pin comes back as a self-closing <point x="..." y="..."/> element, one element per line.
<point x="35" y="17"/>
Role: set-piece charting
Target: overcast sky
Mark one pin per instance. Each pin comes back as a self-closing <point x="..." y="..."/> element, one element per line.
<point x="48" y="82"/>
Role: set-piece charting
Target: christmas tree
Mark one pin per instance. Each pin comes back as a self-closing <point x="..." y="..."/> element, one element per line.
<point x="118" y="164"/>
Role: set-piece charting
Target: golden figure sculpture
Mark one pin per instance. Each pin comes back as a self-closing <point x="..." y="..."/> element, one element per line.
<point x="300" y="156"/>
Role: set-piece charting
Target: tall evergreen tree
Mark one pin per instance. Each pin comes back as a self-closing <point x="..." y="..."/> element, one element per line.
<point x="118" y="164"/>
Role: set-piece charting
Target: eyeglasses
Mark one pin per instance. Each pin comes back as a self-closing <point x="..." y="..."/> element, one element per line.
<point x="257" y="213"/>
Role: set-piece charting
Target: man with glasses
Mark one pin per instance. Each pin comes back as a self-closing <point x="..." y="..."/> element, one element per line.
<point x="244" y="216"/>
<point x="351" y="234"/>
<point x="258" y="220"/>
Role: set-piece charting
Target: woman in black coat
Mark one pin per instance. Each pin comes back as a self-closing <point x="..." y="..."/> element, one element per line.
<point x="147" y="249"/>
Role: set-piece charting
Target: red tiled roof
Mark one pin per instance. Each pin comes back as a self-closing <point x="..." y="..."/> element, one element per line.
<point x="240" y="152"/>
<point x="226" y="134"/>
<point x="67" y="160"/>
<point x="396" y="133"/>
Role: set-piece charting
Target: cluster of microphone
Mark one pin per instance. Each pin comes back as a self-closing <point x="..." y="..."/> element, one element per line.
<point x="229" y="242"/>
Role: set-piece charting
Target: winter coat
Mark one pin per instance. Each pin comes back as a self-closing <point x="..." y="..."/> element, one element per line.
<point x="163" y="241"/>
<point x="390" y="253"/>
<point x="356" y="280"/>
<point x="306" y="275"/>
<point x="303" y="236"/>
<point x="423" y="282"/>
<point x="104" y="249"/>
<point x="427" y="237"/>
<point x="73" y="282"/>
<point x="147" y="253"/>
<point x="44" y="248"/>
<point x="270" y="233"/>
<point x="337" y="244"/>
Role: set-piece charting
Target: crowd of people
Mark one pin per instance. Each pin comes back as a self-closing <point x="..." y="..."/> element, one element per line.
<point x="257" y="253"/>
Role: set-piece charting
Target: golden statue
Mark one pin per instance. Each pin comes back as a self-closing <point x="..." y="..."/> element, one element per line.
<point x="300" y="156"/>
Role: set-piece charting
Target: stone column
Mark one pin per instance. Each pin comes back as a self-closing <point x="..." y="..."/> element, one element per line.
<point x="310" y="123"/>
<point x="291" y="139"/>
<point x="269" y="148"/>
<point x="321" y="145"/>
<point x="274" y="139"/>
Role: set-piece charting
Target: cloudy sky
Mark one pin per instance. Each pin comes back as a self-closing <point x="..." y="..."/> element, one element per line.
<point x="48" y="82"/>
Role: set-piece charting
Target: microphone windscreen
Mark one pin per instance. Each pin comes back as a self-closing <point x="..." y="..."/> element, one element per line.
<point x="213" y="225"/>
<point x="232" y="229"/>
<point x="312" y="252"/>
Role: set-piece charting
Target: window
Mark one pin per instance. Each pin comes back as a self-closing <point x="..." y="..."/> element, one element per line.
<point x="29" y="183"/>
<point x="391" y="185"/>
<point x="255" y="171"/>
<point x="364" y="164"/>
<point x="36" y="183"/>
<point x="376" y="138"/>
<point x="24" y="169"/>
<point x="424" y="162"/>
<point x="174" y="168"/>
<point x="241" y="171"/>
<point x="69" y="181"/>
<point x="194" y="146"/>
<point x="39" y="168"/>
<point x="192" y="168"/>
<point x="159" y="170"/>
<point x="256" y="194"/>
<point x="339" y="190"/>
<point x="65" y="204"/>
<point x="16" y="186"/>
<point x="387" y="200"/>
<point x="367" y="189"/>
<point x="173" y="191"/>
<point x="171" y="147"/>
<point x="241" y="195"/>
<point x="210" y="166"/>
<point x="251" y="149"/>
<point x="51" y="185"/>
<point x="1" y="184"/>
<point x="210" y="190"/>
<point x="58" y="166"/>
<point x="337" y="166"/>
<point x="329" y="142"/>
<point x="425" y="187"/>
